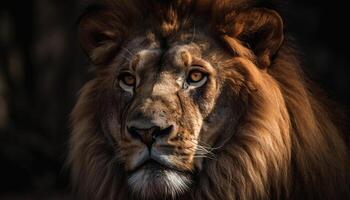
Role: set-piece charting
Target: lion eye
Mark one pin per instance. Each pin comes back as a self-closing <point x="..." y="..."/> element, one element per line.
<point x="127" y="81"/>
<point x="196" y="78"/>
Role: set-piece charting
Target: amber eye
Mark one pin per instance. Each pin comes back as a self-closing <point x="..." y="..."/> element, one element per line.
<point x="196" y="76"/>
<point x="128" y="79"/>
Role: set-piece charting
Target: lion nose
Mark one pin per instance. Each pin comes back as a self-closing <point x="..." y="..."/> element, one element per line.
<point x="148" y="136"/>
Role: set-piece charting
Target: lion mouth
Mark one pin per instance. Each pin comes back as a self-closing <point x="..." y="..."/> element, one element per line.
<point x="150" y="165"/>
<point x="154" y="165"/>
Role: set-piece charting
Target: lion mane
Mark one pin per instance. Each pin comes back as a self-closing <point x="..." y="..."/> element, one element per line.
<point x="290" y="150"/>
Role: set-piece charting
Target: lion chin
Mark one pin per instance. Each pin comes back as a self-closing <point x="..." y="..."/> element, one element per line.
<point x="155" y="181"/>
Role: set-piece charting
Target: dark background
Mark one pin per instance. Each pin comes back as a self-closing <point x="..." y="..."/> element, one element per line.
<point x="42" y="69"/>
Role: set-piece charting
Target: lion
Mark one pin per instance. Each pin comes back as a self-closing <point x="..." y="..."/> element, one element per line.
<point x="200" y="99"/>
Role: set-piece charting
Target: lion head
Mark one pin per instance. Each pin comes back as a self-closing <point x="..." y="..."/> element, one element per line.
<point x="199" y="100"/>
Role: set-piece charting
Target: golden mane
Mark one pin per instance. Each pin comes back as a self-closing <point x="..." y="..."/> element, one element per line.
<point x="300" y="156"/>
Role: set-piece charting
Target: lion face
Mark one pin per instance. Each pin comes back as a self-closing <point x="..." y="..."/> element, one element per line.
<point x="169" y="113"/>
<point x="198" y="100"/>
<point x="165" y="98"/>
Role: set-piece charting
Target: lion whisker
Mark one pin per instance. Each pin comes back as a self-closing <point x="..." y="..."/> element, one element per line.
<point x="207" y="149"/>
<point x="128" y="51"/>
<point x="202" y="151"/>
<point x="205" y="156"/>
<point x="128" y="59"/>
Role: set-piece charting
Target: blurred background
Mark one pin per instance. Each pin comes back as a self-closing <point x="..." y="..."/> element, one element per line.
<point x="42" y="68"/>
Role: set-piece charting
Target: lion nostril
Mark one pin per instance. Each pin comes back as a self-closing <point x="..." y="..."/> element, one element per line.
<point x="149" y="135"/>
<point x="162" y="132"/>
<point x="134" y="132"/>
<point x="144" y="135"/>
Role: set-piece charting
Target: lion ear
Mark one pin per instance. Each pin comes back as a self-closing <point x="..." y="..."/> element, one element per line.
<point x="99" y="34"/>
<point x="262" y="31"/>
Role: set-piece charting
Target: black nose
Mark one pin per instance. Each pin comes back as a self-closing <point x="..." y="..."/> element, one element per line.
<point x="148" y="136"/>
